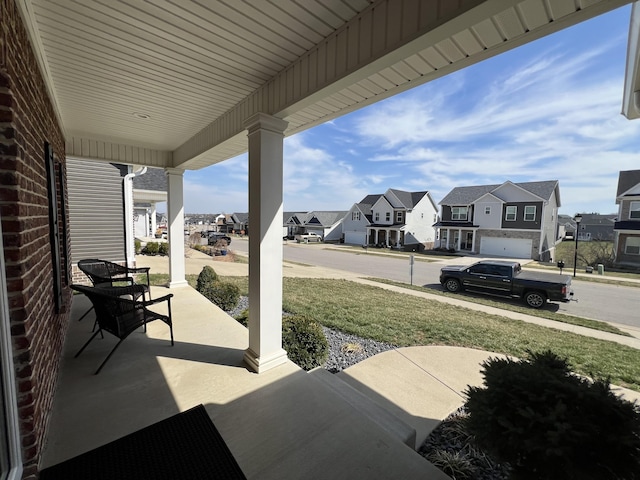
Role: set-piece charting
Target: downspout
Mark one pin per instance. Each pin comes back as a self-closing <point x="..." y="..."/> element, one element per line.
<point x="129" y="245"/>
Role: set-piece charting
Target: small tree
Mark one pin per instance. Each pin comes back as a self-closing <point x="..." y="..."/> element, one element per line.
<point x="207" y="276"/>
<point x="549" y="423"/>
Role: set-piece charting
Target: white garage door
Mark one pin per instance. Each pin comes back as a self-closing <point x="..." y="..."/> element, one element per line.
<point x="506" y="247"/>
<point x="355" y="238"/>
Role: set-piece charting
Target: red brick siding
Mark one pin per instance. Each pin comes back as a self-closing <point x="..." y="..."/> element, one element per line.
<point x="27" y="120"/>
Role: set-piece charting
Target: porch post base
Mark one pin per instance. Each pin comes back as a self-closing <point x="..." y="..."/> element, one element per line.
<point x="182" y="283"/>
<point x="260" y="364"/>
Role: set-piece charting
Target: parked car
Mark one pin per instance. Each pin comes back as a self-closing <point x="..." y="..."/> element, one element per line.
<point x="308" y="237"/>
<point x="214" y="237"/>
<point x="507" y="279"/>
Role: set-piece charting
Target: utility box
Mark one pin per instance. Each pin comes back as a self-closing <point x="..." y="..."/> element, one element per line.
<point x="600" y="269"/>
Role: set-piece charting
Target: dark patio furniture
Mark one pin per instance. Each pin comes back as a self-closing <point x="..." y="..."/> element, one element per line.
<point x="104" y="273"/>
<point x="120" y="312"/>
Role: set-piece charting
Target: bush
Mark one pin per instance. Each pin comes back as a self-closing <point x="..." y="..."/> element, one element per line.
<point x="163" y="248"/>
<point x="151" y="248"/>
<point x="224" y="294"/>
<point x="243" y="317"/>
<point x="304" y="341"/>
<point x="206" y="277"/>
<point x="137" y="246"/>
<point x="548" y="423"/>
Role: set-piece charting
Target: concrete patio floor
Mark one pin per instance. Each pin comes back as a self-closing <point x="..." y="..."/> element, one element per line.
<point x="284" y="423"/>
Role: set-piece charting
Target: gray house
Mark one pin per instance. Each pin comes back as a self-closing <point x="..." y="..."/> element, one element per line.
<point x="509" y="219"/>
<point x="627" y="228"/>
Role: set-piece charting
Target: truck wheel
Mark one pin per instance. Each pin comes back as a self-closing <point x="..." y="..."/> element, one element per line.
<point x="535" y="299"/>
<point x="452" y="285"/>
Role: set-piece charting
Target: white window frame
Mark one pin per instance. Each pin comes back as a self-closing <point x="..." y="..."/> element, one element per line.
<point x="398" y="217"/>
<point x="10" y="434"/>
<point x="634" y="211"/>
<point x="377" y="217"/>
<point x="511" y="210"/>
<point x="487" y="210"/>
<point x="355" y="216"/>
<point x="459" y="213"/>
<point x="527" y="215"/>
<point x="387" y="217"/>
<point x="634" y="244"/>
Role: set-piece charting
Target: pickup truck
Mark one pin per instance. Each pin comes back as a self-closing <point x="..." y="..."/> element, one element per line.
<point x="507" y="279"/>
<point x="308" y="237"/>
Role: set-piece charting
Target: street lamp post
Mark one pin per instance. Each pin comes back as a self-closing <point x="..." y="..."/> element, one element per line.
<point x="577" y="219"/>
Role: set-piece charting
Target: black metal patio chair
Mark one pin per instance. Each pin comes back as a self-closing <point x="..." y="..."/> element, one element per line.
<point x="104" y="273"/>
<point x="120" y="312"/>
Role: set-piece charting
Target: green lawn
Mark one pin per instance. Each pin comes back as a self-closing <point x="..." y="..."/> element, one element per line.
<point x="405" y="320"/>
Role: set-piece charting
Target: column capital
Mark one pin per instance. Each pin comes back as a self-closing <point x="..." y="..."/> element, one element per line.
<point x="174" y="171"/>
<point x="265" y="122"/>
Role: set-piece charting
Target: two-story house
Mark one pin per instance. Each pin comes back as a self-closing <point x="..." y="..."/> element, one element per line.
<point x="396" y="218"/>
<point x="510" y="219"/>
<point x="326" y="224"/>
<point x="627" y="228"/>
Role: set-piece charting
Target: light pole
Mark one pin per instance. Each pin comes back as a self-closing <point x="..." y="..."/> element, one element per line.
<point x="577" y="219"/>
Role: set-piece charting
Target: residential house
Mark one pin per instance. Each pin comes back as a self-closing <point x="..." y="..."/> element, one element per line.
<point x="326" y="224"/>
<point x="509" y="219"/>
<point x="149" y="189"/>
<point x="156" y="100"/>
<point x="627" y="228"/>
<point x="396" y="219"/>
<point x="594" y="226"/>
<point x="566" y="227"/>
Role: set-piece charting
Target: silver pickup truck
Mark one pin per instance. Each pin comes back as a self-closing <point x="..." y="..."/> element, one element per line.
<point x="507" y="279"/>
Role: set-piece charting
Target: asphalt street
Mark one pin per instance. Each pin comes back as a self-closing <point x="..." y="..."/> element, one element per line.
<point x="610" y="303"/>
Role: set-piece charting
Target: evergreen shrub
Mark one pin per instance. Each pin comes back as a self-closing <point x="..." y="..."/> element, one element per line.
<point x="224" y="294"/>
<point x="151" y="248"/>
<point x="207" y="276"/>
<point x="304" y="341"/>
<point x="548" y="423"/>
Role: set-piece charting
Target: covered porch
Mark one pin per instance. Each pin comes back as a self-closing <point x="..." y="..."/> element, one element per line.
<point x="386" y="236"/>
<point x="461" y="239"/>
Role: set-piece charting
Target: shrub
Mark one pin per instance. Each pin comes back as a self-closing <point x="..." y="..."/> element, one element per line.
<point x="549" y="423"/>
<point x="243" y="317"/>
<point x="224" y="294"/>
<point x="304" y="341"/>
<point x="163" y="248"/>
<point x="206" y="277"/>
<point x="137" y="246"/>
<point x="151" y="248"/>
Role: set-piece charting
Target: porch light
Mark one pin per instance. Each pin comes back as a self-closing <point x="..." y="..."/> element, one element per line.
<point x="577" y="219"/>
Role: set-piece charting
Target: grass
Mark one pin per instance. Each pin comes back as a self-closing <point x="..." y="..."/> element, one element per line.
<point x="513" y="306"/>
<point x="406" y="320"/>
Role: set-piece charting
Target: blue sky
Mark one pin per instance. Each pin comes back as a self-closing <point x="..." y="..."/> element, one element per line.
<point x="549" y="110"/>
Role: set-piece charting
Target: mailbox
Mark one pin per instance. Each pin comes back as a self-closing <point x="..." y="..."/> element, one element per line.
<point x="561" y="264"/>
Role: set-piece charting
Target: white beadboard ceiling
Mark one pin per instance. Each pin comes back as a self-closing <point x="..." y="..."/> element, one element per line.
<point x="171" y="83"/>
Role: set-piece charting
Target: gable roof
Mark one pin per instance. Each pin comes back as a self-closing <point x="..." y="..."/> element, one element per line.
<point x="468" y="195"/>
<point x="627" y="179"/>
<point x="408" y="199"/>
<point x="153" y="179"/>
<point x="326" y="218"/>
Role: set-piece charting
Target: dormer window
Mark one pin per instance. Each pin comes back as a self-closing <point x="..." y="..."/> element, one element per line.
<point x="459" y="213"/>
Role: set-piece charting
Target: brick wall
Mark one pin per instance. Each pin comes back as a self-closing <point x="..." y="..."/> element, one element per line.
<point x="27" y="121"/>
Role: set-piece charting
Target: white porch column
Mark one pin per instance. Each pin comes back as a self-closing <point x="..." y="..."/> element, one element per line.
<point x="154" y="226"/>
<point x="175" y="230"/>
<point x="473" y="242"/>
<point x="459" y="242"/>
<point x="266" y="135"/>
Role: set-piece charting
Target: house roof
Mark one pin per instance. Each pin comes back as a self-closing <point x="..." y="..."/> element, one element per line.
<point x="408" y="199"/>
<point x="627" y="179"/>
<point x="598" y="219"/>
<point x="153" y="179"/>
<point x="470" y="194"/>
<point x="327" y="218"/>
